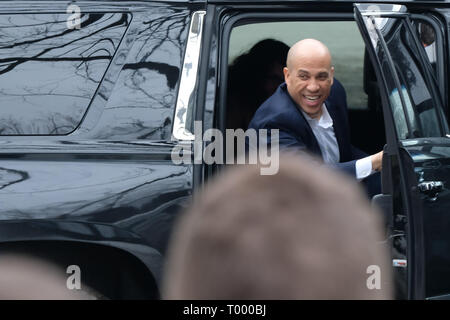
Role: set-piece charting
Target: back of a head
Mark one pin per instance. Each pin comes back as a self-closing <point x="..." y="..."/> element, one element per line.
<point x="30" y="278"/>
<point x="427" y="35"/>
<point x="249" y="68"/>
<point x="252" y="78"/>
<point x="269" y="50"/>
<point x="304" y="233"/>
<point x="264" y="52"/>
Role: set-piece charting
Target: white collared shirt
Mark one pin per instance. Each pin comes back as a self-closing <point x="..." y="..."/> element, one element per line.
<point x="324" y="132"/>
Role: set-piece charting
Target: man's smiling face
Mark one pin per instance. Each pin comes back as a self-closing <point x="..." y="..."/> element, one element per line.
<point x="309" y="76"/>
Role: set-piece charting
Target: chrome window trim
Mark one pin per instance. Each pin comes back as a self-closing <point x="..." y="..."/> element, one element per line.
<point x="188" y="77"/>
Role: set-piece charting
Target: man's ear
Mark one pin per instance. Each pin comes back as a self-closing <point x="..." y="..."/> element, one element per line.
<point x="286" y="74"/>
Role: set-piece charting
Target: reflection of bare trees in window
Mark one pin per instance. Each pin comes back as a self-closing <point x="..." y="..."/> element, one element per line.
<point x="53" y="124"/>
<point x="160" y="34"/>
<point x="421" y="110"/>
<point x="11" y="176"/>
<point x="49" y="73"/>
<point x="142" y="102"/>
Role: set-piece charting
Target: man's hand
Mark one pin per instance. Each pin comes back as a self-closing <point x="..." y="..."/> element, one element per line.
<point x="377" y="160"/>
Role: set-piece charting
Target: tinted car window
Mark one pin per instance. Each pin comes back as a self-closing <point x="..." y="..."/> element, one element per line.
<point x="49" y="72"/>
<point x="137" y="98"/>
<point x="427" y="36"/>
<point x="419" y="117"/>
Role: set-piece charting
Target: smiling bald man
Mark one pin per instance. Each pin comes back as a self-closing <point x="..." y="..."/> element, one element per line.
<point x="310" y="111"/>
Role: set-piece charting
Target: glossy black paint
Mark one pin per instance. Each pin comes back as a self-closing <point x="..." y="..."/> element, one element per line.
<point x="432" y="163"/>
<point x="49" y="73"/>
<point x="404" y="67"/>
<point x="145" y="73"/>
<point x="110" y="180"/>
<point x="34" y="231"/>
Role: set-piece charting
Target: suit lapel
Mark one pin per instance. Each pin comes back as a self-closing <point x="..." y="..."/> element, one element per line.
<point x="314" y="144"/>
<point x="308" y="135"/>
<point x="305" y="130"/>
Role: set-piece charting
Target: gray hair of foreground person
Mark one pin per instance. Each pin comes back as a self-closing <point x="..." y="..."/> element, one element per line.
<point x="304" y="233"/>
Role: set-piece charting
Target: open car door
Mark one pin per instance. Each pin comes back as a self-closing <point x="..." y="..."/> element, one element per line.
<point x="416" y="162"/>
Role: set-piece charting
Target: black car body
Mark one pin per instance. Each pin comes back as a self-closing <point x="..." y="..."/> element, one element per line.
<point x="92" y="115"/>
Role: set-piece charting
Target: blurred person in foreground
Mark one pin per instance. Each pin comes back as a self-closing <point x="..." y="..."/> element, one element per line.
<point x="28" y="278"/>
<point x="305" y="233"/>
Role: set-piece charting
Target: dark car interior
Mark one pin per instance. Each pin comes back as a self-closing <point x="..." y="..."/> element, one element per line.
<point x="367" y="125"/>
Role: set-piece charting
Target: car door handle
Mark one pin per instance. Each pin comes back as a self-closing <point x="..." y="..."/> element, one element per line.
<point x="431" y="189"/>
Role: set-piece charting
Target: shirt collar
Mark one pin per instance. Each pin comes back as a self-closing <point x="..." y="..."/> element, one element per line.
<point x="325" y="120"/>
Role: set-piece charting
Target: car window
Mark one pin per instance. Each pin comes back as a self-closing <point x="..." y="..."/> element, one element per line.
<point x="427" y="36"/>
<point x="50" y="72"/>
<point x="418" y="115"/>
<point x="141" y="95"/>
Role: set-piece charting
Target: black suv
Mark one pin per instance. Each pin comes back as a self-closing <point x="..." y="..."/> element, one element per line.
<point x="95" y="96"/>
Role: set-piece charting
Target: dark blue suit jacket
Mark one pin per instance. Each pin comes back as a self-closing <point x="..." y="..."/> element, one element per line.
<point x="281" y="112"/>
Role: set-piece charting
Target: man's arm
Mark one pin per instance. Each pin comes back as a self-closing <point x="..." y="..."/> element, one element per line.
<point x="358" y="153"/>
<point x="288" y="141"/>
<point x="368" y="165"/>
<point x="377" y="160"/>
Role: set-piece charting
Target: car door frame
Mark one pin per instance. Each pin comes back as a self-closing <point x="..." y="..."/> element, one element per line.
<point x="227" y="17"/>
<point x="394" y="150"/>
<point x="219" y="27"/>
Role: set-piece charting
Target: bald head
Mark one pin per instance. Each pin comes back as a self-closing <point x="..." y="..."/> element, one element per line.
<point x="309" y="75"/>
<point x="307" y="48"/>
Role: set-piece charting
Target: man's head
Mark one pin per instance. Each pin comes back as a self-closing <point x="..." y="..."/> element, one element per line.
<point x="309" y="75"/>
<point x="304" y="233"/>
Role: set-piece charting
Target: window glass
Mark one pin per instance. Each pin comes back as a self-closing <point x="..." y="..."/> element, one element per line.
<point x="427" y="36"/>
<point x="50" y="72"/>
<point x="416" y="112"/>
<point x="141" y="103"/>
<point x="420" y="107"/>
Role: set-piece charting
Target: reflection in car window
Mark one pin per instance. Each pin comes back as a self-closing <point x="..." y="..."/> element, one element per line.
<point x="427" y="37"/>
<point x="141" y="103"/>
<point x="421" y="117"/>
<point x="398" y="112"/>
<point x="49" y="73"/>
